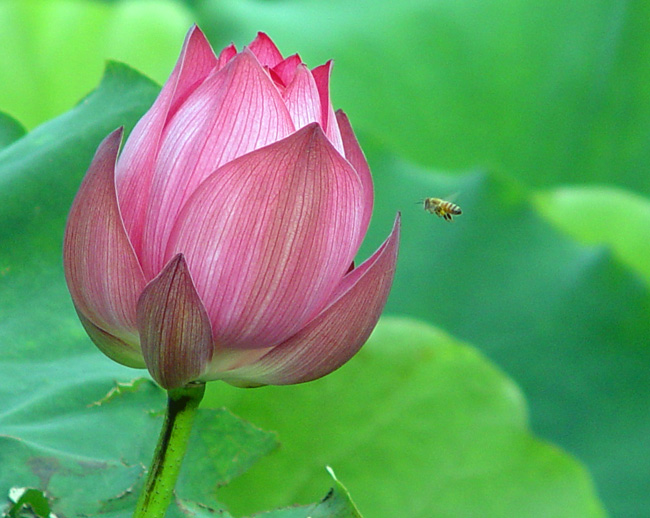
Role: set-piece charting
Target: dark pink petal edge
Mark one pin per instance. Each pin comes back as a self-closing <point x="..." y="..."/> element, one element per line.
<point x="335" y="335"/>
<point x="175" y="330"/>
<point x="101" y="269"/>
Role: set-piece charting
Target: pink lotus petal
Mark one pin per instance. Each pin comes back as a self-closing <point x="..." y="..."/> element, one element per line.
<point x="102" y="271"/>
<point x="336" y="334"/>
<point x="226" y="55"/>
<point x="265" y="50"/>
<point x="322" y="77"/>
<point x="269" y="236"/>
<point x="355" y="156"/>
<point x="233" y="112"/>
<point x="227" y="359"/>
<point x="302" y="98"/>
<point x="135" y="166"/>
<point x="174" y="327"/>
<point x="286" y="69"/>
<point x="128" y="354"/>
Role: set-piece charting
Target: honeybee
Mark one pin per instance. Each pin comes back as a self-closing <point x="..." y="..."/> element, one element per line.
<point x="442" y="208"/>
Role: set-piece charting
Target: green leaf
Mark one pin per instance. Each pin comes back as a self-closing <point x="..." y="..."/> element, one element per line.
<point x="336" y="504"/>
<point x="48" y="155"/>
<point x="39" y="176"/>
<point x="419" y="425"/>
<point x="603" y="215"/>
<point x="54" y="51"/>
<point x="188" y="509"/>
<point x="23" y="499"/>
<point x="568" y="322"/>
<point x="87" y="460"/>
<point x="551" y="94"/>
<point x="222" y="448"/>
<point x="10" y="130"/>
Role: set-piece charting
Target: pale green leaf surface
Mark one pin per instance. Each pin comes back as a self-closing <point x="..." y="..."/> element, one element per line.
<point x="569" y="322"/>
<point x="53" y="52"/>
<point x="550" y="92"/>
<point x="418" y="425"/>
<point x="603" y="215"/>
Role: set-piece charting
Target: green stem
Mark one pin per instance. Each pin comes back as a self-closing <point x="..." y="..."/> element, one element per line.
<point x="168" y="457"/>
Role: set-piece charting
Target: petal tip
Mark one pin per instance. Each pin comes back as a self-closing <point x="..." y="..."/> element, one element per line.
<point x="195" y="32"/>
<point x="114" y="138"/>
<point x="174" y="327"/>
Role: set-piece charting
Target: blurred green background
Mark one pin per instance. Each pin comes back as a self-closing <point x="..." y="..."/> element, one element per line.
<point x="535" y="114"/>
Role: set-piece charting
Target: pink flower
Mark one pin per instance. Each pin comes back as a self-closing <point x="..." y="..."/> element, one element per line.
<point x="220" y="244"/>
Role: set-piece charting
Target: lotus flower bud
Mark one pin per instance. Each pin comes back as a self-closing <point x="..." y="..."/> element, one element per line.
<point x="220" y="243"/>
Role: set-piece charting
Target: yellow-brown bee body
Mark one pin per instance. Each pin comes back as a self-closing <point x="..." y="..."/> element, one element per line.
<point x="442" y="208"/>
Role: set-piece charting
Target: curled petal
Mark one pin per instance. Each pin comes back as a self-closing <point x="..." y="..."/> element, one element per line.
<point x="102" y="271"/>
<point x="135" y="167"/>
<point x="174" y="327"/>
<point x="233" y="112"/>
<point x="265" y="50"/>
<point x="226" y="55"/>
<point x="336" y="334"/>
<point x="286" y="69"/>
<point x="268" y="237"/>
<point x="322" y="77"/>
<point x="355" y="156"/>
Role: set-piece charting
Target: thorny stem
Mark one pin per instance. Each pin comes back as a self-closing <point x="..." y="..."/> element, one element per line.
<point x="168" y="456"/>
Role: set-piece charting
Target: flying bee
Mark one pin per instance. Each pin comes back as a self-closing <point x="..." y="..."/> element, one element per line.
<point x="442" y="208"/>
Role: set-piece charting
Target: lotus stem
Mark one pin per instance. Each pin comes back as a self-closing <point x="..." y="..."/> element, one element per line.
<point x="156" y="496"/>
